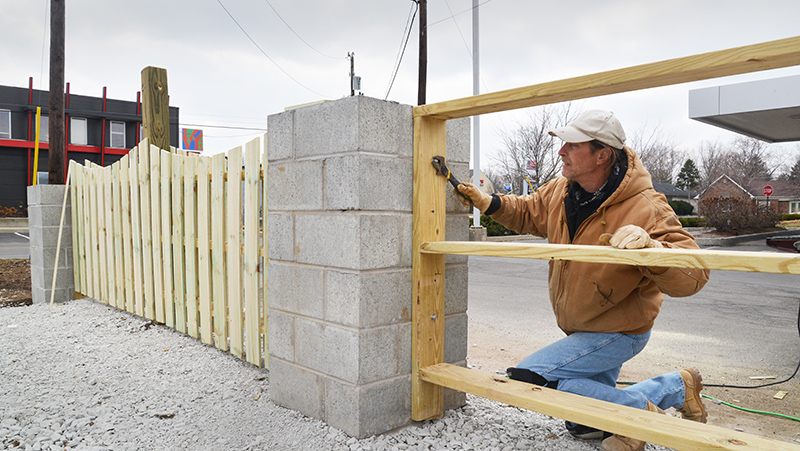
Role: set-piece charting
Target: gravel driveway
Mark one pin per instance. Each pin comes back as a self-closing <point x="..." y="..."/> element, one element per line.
<point x="87" y="376"/>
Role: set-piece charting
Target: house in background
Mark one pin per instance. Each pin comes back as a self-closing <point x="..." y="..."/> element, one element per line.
<point x="99" y="129"/>
<point x="672" y="192"/>
<point x="785" y="197"/>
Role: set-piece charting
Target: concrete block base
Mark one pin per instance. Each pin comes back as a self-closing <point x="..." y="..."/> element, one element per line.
<point x="44" y="216"/>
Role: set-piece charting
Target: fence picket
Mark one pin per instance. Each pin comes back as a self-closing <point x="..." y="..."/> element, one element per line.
<point x="250" y="277"/>
<point x="136" y="232"/>
<point x="177" y="243"/>
<point x="97" y="187"/>
<point x="166" y="237"/>
<point x="203" y="249"/>
<point x="74" y="223"/>
<point x="127" y="240"/>
<point x="77" y="227"/>
<point x="155" y="223"/>
<point x="107" y="209"/>
<point x="234" y="247"/>
<point x="146" y="228"/>
<point x="87" y="231"/>
<point x="219" y="281"/>
<point x="119" y="271"/>
<point x="190" y="241"/>
<point x="265" y="255"/>
<point x="95" y="224"/>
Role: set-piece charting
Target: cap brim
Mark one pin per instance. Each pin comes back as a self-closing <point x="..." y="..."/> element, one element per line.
<point x="571" y="134"/>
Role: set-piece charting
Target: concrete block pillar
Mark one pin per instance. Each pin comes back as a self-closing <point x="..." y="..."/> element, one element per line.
<point x="340" y="233"/>
<point x="44" y="215"/>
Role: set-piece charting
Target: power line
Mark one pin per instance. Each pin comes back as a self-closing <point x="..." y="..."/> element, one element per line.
<point x="402" y="50"/>
<point x="298" y="36"/>
<point x="232" y="127"/>
<point x="458" y="14"/>
<point x="265" y="53"/>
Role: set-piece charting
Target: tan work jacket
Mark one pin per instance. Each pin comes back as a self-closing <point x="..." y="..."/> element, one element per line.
<point x="598" y="297"/>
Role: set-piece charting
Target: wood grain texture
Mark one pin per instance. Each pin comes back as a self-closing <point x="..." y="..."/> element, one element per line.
<point x="204" y="249"/>
<point x="739" y="60"/>
<point x="651" y="427"/>
<point x="252" y="312"/>
<point x="233" y="232"/>
<point x="219" y="282"/>
<point x="155" y="106"/>
<point x="427" y="339"/>
<point x="681" y="258"/>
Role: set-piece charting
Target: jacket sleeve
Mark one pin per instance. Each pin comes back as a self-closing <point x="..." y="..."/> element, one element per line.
<point x="527" y="214"/>
<point x="676" y="282"/>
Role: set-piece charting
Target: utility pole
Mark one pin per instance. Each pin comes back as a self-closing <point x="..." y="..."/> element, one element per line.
<point x="352" y="57"/>
<point x="476" y="120"/>
<point x="423" y="51"/>
<point x="56" y="154"/>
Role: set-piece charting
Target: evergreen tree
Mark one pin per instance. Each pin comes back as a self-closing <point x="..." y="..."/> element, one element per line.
<point x="689" y="177"/>
<point x="794" y="173"/>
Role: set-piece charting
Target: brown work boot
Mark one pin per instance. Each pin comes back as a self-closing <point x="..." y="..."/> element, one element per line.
<point x="693" y="407"/>
<point x="622" y="443"/>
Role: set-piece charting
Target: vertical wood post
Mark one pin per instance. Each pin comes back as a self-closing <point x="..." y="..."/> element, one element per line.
<point x="427" y="400"/>
<point x="155" y="106"/>
<point x="56" y="158"/>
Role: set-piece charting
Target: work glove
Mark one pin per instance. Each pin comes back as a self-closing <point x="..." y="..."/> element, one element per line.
<point x="630" y="237"/>
<point x="480" y="199"/>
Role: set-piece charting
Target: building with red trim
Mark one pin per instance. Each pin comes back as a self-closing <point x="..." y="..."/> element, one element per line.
<point x="98" y="129"/>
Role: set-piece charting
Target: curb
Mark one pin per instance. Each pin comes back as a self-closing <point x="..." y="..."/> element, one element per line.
<point x="11" y="225"/>
<point x="734" y="240"/>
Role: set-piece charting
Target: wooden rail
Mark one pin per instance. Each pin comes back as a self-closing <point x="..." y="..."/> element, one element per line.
<point x="740" y="60"/>
<point x="663" y="430"/>
<point x="429" y="246"/>
<point x="679" y="258"/>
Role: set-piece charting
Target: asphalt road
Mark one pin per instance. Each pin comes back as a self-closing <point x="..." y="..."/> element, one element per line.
<point x="740" y="325"/>
<point x="14" y="245"/>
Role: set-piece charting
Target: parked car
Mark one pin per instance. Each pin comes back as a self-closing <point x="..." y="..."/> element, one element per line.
<point x="789" y="243"/>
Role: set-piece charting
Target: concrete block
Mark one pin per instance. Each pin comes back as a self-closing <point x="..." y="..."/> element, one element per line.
<point x="45" y="257"/>
<point x="328" y="239"/>
<point x="455" y="337"/>
<point x="381" y="241"/>
<point x="42" y="295"/>
<point x="43" y="278"/>
<point x="452" y="204"/>
<point x="349" y="241"/>
<point x="368" y="298"/>
<point x="296" y="288"/>
<point x="385" y="127"/>
<point x="47" y="195"/>
<point x="295" y="185"/>
<point x="48" y="236"/>
<point x="362" y="411"/>
<point x="296" y="388"/>
<point x="327" y="348"/>
<point x="48" y="216"/>
<point x="458" y="140"/>
<point x="280" y="145"/>
<point x="368" y="182"/>
<point x="477" y="233"/>
<point x="326" y="128"/>
<point x="456" y="229"/>
<point x="384" y="352"/>
<point x="280" y="233"/>
<point x="281" y="335"/>
<point x="456" y="288"/>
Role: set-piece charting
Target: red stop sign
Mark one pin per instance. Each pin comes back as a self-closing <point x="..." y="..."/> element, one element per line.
<point x="767" y="190"/>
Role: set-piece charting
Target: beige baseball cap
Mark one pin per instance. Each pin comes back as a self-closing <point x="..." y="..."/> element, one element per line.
<point x="593" y="124"/>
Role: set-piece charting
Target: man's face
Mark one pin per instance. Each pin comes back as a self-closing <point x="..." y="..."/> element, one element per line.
<point x="578" y="161"/>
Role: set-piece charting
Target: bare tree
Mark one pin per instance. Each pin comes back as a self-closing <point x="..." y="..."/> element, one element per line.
<point x="713" y="160"/>
<point x="743" y="159"/>
<point x="531" y="142"/>
<point x="657" y="153"/>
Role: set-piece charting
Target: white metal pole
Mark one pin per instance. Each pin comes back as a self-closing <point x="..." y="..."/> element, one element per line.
<point x="476" y="120"/>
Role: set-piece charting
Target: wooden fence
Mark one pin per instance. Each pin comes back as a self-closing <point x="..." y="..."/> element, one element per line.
<point x="178" y="239"/>
<point x="430" y="375"/>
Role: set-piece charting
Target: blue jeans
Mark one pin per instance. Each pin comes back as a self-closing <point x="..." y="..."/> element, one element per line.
<point x="588" y="364"/>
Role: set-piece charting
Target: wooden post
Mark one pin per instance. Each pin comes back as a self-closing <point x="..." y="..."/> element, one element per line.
<point x="155" y="106"/>
<point x="427" y="342"/>
<point x="56" y="157"/>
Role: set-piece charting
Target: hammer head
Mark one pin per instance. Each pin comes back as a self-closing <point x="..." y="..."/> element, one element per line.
<point x="439" y="164"/>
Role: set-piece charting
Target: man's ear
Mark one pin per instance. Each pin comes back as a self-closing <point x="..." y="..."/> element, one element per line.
<point x="604" y="156"/>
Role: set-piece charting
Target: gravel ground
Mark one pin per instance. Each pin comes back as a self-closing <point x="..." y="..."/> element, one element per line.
<point x="87" y="376"/>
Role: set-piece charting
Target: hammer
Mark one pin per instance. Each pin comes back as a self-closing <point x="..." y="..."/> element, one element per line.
<point x="438" y="163"/>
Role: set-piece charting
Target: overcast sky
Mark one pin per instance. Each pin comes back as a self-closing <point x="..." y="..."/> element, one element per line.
<point x="218" y="76"/>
